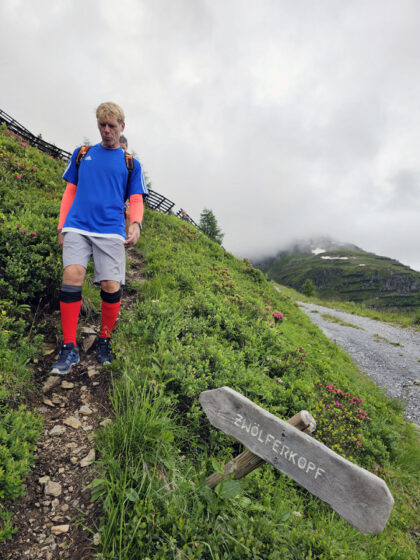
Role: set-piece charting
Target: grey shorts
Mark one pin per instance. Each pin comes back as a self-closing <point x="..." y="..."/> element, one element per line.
<point x="108" y="255"/>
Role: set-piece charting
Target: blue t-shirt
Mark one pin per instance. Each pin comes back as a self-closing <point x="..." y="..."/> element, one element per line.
<point x="98" y="207"/>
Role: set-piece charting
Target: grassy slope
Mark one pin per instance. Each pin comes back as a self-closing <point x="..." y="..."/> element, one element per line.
<point x="364" y="277"/>
<point x="30" y="188"/>
<point x="201" y="322"/>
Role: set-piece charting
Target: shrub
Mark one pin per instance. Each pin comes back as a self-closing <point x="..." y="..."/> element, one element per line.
<point x="19" y="431"/>
<point x="340" y="420"/>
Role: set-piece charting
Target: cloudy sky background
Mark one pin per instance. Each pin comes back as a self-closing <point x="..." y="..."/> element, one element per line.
<point x="288" y="118"/>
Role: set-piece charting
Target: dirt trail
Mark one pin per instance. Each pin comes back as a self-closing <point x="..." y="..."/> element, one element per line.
<point x="388" y="354"/>
<point x="55" y="519"/>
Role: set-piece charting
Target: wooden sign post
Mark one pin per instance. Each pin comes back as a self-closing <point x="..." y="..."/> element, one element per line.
<point x="357" y="495"/>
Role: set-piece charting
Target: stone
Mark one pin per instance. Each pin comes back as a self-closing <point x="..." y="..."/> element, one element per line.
<point x="85" y="410"/>
<point x="73" y="422"/>
<point x="51" y="382"/>
<point x="58" y="430"/>
<point x="67" y="385"/>
<point x="89" y="459"/>
<point x="88" y="342"/>
<point x="105" y="422"/>
<point x="60" y="529"/>
<point x="48" y="402"/>
<point x="44" y="479"/>
<point x="49" y="349"/>
<point x="53" y="488"/>
<point x="88" y="330"/>
<point x="92" y="371"/>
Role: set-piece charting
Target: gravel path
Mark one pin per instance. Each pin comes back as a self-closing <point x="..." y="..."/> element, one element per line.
<point x="389" y="355"/>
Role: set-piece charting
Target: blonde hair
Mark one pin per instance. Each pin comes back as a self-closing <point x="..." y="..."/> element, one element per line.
<point x="110" y="109"/>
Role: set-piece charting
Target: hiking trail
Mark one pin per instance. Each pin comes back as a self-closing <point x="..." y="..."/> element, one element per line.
<point x="55" y="518"/>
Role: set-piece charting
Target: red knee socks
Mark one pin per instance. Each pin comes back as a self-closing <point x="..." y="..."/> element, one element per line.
<point x="70" y="303"/>
<point x="110" y="313"/>
<point x="110" y="310"/>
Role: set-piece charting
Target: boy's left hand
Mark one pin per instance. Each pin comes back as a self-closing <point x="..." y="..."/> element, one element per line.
<point x="133" y="235"/>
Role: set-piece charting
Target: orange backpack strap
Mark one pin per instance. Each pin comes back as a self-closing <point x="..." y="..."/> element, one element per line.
<point x="81" y="154"/>
<point x="129" y="162"/>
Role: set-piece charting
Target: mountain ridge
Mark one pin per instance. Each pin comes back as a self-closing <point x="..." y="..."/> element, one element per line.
<point x="346" y="272"/>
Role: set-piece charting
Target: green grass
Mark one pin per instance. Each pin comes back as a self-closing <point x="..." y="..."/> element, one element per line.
<point x="380" y="338"/>
<point x="29" y="269"/>
<point x="334" y="319"/>
<point x="202" y="322"/>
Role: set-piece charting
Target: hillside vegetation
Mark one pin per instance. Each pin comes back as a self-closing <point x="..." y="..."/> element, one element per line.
<point x="347" y="273"/>
<point x="202" y="319"/>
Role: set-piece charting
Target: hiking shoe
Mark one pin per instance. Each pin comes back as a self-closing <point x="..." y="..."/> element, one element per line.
<point x="104" y="354"/>
<point x="68" y="356"/>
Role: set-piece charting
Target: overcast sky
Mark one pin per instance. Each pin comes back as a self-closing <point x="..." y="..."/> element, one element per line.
<point x="288" y="118"/>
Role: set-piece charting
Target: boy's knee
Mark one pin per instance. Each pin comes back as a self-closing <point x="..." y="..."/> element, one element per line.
<point x="74" y="275"/>
<point x="110" y="286"/>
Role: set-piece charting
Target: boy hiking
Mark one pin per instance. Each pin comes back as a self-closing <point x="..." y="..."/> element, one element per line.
<point x="99" y="180"/>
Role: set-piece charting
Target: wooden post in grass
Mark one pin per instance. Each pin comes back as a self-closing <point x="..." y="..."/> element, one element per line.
<point x="247" y="461"/>
<point x="360" y="497"/>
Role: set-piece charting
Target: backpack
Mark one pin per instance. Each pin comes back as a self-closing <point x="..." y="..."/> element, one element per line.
<point x="129" y="162"/>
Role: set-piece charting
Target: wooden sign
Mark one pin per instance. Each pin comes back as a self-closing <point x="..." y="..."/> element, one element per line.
<point x="357" y="495"/>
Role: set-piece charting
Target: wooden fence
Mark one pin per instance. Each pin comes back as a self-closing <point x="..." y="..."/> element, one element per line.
<point x="155" y="201"/>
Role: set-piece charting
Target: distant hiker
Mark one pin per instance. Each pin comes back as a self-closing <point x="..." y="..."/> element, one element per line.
<point x="124" y="146"/>
<point x="123" y="142"/>
<point x="99" y="179"/>
<point x="184" y="216"/>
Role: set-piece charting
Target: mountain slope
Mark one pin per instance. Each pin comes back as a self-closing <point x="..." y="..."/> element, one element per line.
<point x="345" y="272"/>
<point x="199" y="319"/>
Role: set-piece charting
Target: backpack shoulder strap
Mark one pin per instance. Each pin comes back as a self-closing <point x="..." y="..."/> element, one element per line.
<point x="81" y="154"/>
<point x="129" y="162"/>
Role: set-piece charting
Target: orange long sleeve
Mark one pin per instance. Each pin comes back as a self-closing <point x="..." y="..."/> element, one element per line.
<point x="136" y="208"/>
<point x="66" y="203"/>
